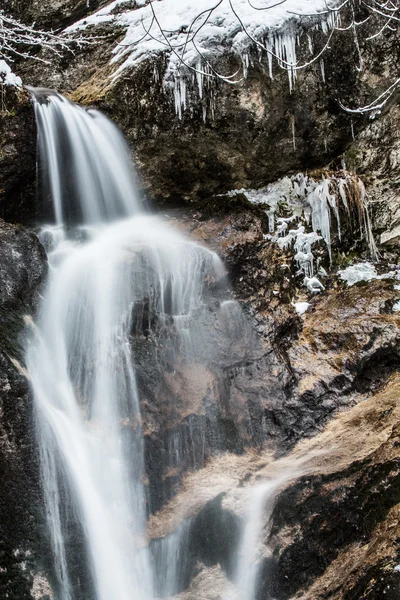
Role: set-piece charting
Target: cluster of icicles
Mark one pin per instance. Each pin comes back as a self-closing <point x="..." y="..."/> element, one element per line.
<point x="312" y="203"/>
<point x="280" y="47"/>
<point x="106" y="255"/>
<point x="194" y="36"/>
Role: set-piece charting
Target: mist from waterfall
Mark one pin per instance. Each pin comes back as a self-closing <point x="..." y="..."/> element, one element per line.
<point x="79" y="359"/>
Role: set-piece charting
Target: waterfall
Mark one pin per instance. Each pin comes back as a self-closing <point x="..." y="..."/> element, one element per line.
<point x="116" y="275"/>
<point x="260" y="506"/>
<point x="84" y="163"/>
<point x="110" y="265"/>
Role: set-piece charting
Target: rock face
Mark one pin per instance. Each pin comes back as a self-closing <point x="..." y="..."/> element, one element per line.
<point x="49" y="13"/>
<point x="337" y="535"/>
<point x="346" y="343"/>
<point x="22" y="545"/>
<point x="17" y="157"/>
<point x="254" y="132"/>
<point x="375" y="155"/>
<point x="332" y="532"/>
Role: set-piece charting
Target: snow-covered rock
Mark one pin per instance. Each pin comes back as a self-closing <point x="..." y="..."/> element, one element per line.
<point x="313" y="285"/>
<point x="301" y="307"/>
<point x="194" y="34"/>
<point x="362" y="272"/>
<point x="7" y="77"/>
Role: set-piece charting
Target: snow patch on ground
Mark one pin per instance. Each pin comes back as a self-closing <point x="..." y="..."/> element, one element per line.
<point x="194" y="33"/>
<point x="363" y="272"/>
<point x="7" y="77"/>
<point x="396" y="308"/>
<point x="301" y="307"/>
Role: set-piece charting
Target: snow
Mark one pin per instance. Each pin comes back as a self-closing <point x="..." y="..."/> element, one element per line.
<point x="195" y="32"/>
<point x="396" y="308"/>
<point x="313" y="285"/>
<point x="7" y="77"/>
<point x="363" y="272"/>
<point x="301" y="307"/>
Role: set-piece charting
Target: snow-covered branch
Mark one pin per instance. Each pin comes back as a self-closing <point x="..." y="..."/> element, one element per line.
<point x="18" y="40"/>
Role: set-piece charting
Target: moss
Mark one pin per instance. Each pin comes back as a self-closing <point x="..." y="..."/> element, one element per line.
<point x="352" y="158"/>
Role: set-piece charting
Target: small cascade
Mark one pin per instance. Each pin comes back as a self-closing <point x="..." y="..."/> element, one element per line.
<point x="84" y="163"/>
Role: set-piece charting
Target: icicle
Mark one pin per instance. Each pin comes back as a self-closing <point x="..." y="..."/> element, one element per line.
<point x="270" y="46"/>
<point x="320" y="217"/>
<point x="212" y="104"/>
<point x="199" y="78"/>
<point x="177" y="98"/>
<point x="180" y="94"/>
<point x="322" y="65"/>
<point x="310" y="43"/>
<point x="245" y="61"/>
<point x="341" y="183"/>
<point x="373" y="249"/>
<point x="293" y="132"/>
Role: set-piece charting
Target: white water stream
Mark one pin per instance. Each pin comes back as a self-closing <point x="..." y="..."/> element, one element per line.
<point x="107" y="257"/>
<point x="79" y="359"/>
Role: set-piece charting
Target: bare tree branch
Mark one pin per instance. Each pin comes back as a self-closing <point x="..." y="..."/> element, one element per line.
<point x="23" y="41"/>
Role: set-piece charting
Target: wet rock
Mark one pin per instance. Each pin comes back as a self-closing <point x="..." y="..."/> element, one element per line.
<point x="333" y="528"/>
<point x="17" y="157"/>
<point x="346" y="344"/>
<point x="336" y="536"/>
<point x="208" y="539"/>
<point x="22" y="545"/>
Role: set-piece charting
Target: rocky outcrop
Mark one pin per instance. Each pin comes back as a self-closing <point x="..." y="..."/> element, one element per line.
<point x="337" y="535"/>
<point x="332" y="530"/>
<point x="17" y="156"/>
<point x="254" y="132"/>
<point x="22" y="543"/>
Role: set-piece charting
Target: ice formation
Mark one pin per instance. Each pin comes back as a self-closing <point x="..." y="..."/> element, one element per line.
<point x="363" y="272"/>
<point x="7" y="77"/>
<point x="311" y="203"/>
<point x="194" y="34"/>
<point x="396" y="308"/>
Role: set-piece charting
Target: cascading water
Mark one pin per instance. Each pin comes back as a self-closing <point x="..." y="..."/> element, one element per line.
<point x="80" y="359"/>
<point x="116" y="273"/>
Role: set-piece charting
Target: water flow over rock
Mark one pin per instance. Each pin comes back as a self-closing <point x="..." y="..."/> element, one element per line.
<point x="80" y="357"/>
<point x="83" y="161"/>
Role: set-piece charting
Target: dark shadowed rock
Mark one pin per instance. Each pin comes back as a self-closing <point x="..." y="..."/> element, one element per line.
<point x="22" y="536"/>
<point x="17" y="157"/>
<point x="336" y="536"/>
